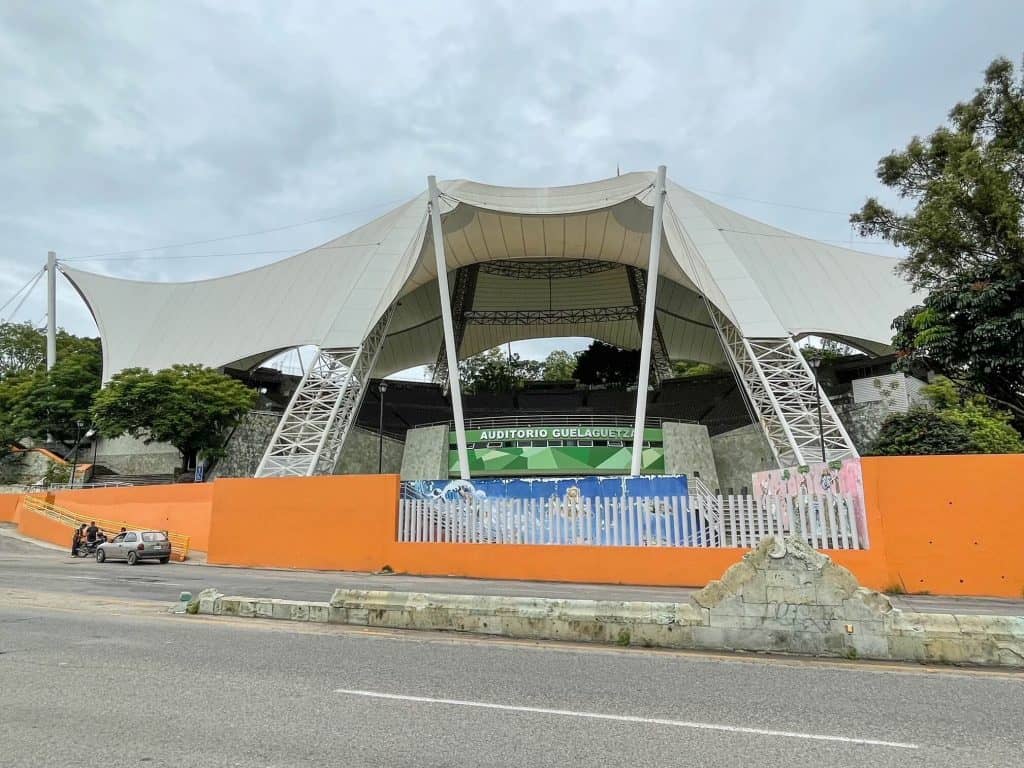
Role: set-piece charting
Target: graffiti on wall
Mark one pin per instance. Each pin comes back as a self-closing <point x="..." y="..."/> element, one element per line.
<point x="842" y="478"/>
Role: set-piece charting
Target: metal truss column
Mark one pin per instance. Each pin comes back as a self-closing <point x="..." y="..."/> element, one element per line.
<point x="462" y="302"/>
<point x="309" y="438"/>
<point x="784" y="395"/>
<point x="661" y="365"/>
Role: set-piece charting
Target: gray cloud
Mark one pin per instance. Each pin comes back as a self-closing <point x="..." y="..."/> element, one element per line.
<point x="127" y="125"/>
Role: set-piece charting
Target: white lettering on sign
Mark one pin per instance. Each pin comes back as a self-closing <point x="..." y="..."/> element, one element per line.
<point x="556" y="433"/>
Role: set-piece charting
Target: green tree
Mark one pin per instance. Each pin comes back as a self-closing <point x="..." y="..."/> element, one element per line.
<point x="57" y="401"/>
<point x="965" y="242"/>
<point x="954" y="424"/>
<point x="602" y="363"/>
<point x="495" y="371"/>
<point x="190" y="407"/>
<point x="23" y="348"/>
<point x="35" y="402"/>
<point x="826" y="350"/>
<point x="682" y="369"/>
<point x="560" y="366"/>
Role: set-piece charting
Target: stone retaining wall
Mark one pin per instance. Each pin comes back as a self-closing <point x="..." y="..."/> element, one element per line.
<point x="783" y="597"/>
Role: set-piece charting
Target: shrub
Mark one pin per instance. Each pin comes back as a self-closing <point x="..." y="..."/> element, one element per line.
<point x="921" y="432"/>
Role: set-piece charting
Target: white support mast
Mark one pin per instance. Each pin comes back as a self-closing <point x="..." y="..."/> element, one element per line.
<point x="455" y="386"/>
<point x="51" y="309"/>
<point x="648" y="327"/>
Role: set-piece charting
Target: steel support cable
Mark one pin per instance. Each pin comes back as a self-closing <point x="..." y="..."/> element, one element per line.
<point x="241" y="234"/>
<point x="24" y="292"/>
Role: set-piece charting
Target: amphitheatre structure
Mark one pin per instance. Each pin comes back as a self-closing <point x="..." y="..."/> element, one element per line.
<point x="635" y="261"/>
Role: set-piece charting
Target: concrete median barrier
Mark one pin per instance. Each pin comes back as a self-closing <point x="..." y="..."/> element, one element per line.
<point x="782" y="597"/>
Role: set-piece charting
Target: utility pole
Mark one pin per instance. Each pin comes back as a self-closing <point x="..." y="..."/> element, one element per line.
<point x="51" y="309"/>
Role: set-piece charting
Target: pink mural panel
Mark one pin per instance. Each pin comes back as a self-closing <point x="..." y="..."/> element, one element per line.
<point x="834" y="477"/>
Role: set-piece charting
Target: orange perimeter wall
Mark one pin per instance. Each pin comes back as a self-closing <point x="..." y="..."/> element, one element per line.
<point x="43" y="528"/>
<point x="950" y="525"/>
<point x="9" y="507"/>
<point x="336" y="522"/>
<point x="183" y="508"/>
<point x="942" y="524"/>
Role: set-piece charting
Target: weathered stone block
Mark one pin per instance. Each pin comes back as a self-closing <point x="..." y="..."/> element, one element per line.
<point x="907" y="648"/>
<point x="866" y="604"/>
<point x="209" y="602"/>
<point x="869" y="645"/>
<point x="337" y="614"/>
<point x="802" y="595"/>
<point x="318" y="612"/>
<point x="232" y="606"/>
<point x="711" y="595"/>
<point x="920" y="623"/>
<point x="756" y="589"/>
<point x="264" y="609"/>
<point x="688" y="614"/>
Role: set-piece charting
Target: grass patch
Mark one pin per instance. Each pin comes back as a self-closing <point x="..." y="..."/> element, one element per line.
<point x="623" y="638"/>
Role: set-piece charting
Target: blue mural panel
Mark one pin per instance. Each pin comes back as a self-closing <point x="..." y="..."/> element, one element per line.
<point x="588" y="487"/>
<point x="652" y="522"/>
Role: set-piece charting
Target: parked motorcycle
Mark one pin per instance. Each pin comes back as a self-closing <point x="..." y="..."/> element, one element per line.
<point x="88" y="548"/>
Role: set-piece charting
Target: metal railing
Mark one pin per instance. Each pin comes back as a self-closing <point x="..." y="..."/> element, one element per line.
<point x="825" y="522"/>
<point x="179" y="541"/>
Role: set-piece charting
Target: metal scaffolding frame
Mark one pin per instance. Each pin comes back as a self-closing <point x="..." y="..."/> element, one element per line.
<point x="462" y="301"/>
<point x="783" y="393"/>
<point x="548" y="269"/>
<point x="661" y="365"/>
<point x="549" y="316"/>
<point x="309" y="438"/>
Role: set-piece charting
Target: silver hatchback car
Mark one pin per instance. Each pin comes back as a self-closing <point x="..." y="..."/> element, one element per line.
<point x="134" y="546"/>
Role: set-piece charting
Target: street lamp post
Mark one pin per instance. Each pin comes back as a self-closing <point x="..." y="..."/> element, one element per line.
<point x="74" y="451"/>
<point x="815" y="364"/>
<point x="382" y="387"/>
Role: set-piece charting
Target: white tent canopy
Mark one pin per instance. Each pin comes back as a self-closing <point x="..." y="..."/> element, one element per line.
<point x="765" y="281"/>
<point x="526" y="263"/>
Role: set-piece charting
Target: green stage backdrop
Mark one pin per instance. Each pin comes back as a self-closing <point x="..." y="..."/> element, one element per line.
<point x="501" y="451"/>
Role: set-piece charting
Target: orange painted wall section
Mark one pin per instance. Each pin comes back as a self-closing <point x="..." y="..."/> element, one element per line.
<point x="181" y="508"/>
<point x="950" y="525"/>
<point x="40" y="527"/>
<point x="9" y="507"/>
<point x="943" y="524"/>
<point x="340" y="522"/>
<point x="670" y="567"/>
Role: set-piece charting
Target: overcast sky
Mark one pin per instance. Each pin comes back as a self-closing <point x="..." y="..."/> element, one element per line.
<point x="133" y="125"/>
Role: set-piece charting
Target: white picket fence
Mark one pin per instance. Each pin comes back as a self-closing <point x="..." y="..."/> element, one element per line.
<point x="825" y="522"/>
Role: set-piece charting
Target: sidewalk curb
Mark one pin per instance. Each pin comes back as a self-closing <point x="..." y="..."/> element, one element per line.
<point x="783" y="597"/>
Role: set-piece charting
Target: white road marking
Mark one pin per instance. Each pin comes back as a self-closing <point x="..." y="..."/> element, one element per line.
<point x="631" y="719"/>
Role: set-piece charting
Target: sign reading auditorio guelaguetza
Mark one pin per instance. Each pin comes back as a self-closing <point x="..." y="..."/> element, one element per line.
<point x="553" y="433"/>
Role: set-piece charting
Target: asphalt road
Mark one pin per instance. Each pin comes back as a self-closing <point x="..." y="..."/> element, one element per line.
<point x="125" y="684"/>
<point x="49" y="570"/>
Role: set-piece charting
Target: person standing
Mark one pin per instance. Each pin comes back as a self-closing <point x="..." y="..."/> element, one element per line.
<point x="77" y="539"/>
<point x="91" y="532"/>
